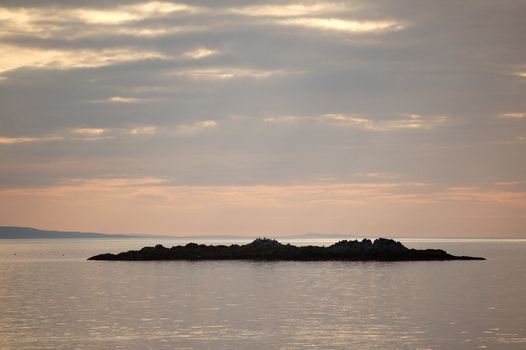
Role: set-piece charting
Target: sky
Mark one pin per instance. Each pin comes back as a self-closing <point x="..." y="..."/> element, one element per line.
<point x="395" y="118"/>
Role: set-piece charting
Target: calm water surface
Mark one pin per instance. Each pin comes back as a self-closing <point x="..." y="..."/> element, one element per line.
<point x="52" y="298"/>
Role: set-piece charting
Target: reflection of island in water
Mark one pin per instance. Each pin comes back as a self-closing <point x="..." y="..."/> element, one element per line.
<point x="381" y="249"/>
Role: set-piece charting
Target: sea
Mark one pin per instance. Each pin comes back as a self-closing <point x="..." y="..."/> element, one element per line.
<point x="51" y="297"/>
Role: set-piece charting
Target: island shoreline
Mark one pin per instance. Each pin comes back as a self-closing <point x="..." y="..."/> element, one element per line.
<point x="264" y="249"/>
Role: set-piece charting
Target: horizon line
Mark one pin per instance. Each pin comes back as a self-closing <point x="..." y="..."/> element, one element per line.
<point x="304" y="235"/>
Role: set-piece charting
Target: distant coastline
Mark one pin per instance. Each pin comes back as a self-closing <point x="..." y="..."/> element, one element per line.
<point x="14" y="232"/>
<point x="19" y="232"/>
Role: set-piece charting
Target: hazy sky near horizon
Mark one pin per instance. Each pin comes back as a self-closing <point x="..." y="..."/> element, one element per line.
<point x="400" y="118"/>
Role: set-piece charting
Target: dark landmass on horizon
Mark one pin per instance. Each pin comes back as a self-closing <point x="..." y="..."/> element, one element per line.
<point x="15" y="232"/>
<point x="381" y="249"/>
<point x="19" y="232"/>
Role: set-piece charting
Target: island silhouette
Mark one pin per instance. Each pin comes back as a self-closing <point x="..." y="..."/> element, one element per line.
<point x="381" y="249"/>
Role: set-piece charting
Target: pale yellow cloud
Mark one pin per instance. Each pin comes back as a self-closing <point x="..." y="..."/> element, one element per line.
<point x="121" y="100"/>
<point x="521" y="74"/>
<point x="515" y="115"/>
<point x="14" y="57"/>
<point x="26" y="21"/>
<point x="343" y="25"/>
<point x="289" y="10"/>
<point x="130" y="13"/>
<point x="46" y="21"/>
<point x="145" y="130"/>
<point x="141" y="32"/>
<point x="348" y="120"/>
<point x="94" y="134"/>
<point x="13" y="140"/>
<point x="227" y="73"/>
<point x="93" y="16"/>
<point x="412" y="121"/>
<point x="56" y="22"/>
<point x="196" y="127"/>
<point x="415" y="121"/>
<point x="89" y="131"/>
<point x="89" y="134"/>
<point x="200" y="53"/>
<point x="287" y="119"/>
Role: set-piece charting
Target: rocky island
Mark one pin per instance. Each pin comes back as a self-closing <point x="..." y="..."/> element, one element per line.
<point x="381" y="249"/>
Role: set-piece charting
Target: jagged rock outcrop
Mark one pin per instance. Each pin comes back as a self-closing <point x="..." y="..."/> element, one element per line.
<point x="381" y="249"/>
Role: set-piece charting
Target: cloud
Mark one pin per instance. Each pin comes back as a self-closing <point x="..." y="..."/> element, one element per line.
<point x="255" y="195"/>
<point x="308" y="15"/>
<point x="25" y="21"/>
<point x="130" y="13"/>
<point x="94" y="134"/>
<point x="312" y="83"/>
<point x="287" y="119"/>
<point x="379" y="176"/>
<point x="13" y="140"/>
<point x="89" y="134"/>
<point x="138" y="31"/>
<point x="71" y="24"/>
<point x="74" y="23"/>
<point x="509" y="183"/>
<point x="412" y="121"/>
<point x="196" y="127"/>
<point x="89" y="131"/>
<point x="476" y="194"/>
<point x="200" y="53"/>
<point x="14" y="57"/>
<point x="227" y="73"/>
<point x="113" y="182"/>
<point x="516" y="115"/>
<point x="289" y="10"/>
<point x="285" y="209"/>
<point x="121" y="100"/>
<point x="86" y="134"/>
<point x="49" y="21"/>
<point x="98" y="134"/>
<point x="343" y="25"/>
<point x="145" y="130"/>
<point x="348" y="120"/>
<point x="130" y="19"/>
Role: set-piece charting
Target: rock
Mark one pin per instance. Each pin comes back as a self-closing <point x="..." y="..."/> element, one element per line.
<point x="382" y="249"/>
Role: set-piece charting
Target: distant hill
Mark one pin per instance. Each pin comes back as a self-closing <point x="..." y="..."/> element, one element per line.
<point x="13" y="232"/>
<point x="28" y="233"/>
<point x="314" y="235"/>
